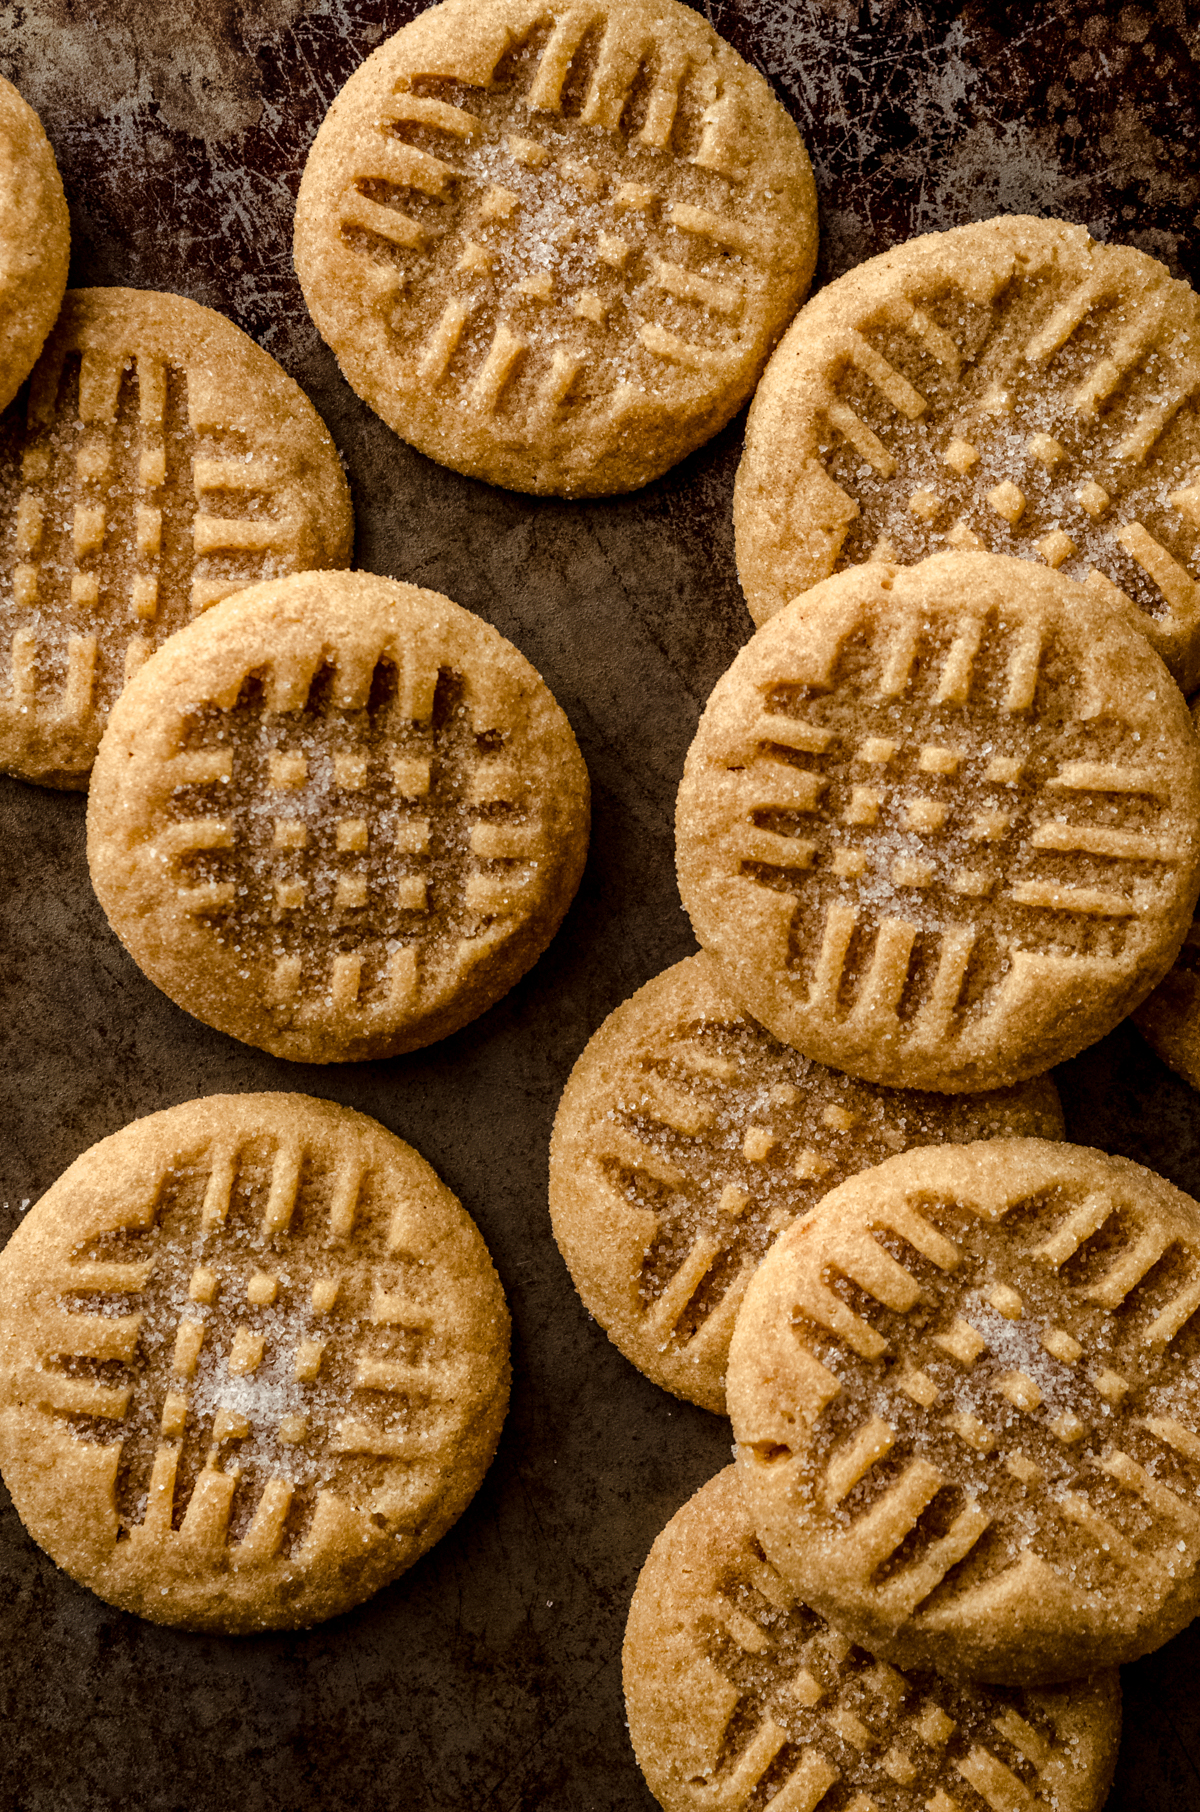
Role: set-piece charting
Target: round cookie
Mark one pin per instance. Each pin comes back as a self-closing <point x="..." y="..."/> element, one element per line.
<point x="553" y="245"/>
<point x="966" y="1395"/>
<point x="1009" y="384"/>
<point x="732" y="1685"/>
<point x="338" y="817"/>
<point x="1169" y="1020"/>
<point x="160" y="462"/>
<point x="941" y="824"/>
<point x="35" y="240"/>
<point x="253" y="1363"/>
<point x="688" y="1139"/>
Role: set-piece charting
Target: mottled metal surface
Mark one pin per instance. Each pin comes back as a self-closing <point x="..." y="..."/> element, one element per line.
<point x="489" y="1677"/>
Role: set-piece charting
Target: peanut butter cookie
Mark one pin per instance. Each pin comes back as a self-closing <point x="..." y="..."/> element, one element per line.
<point x="552" y="245"/>
<point x="338" y="817"/>
<point x="735" y="1690"/>
<point x="688" y="1139"/>
<point x="966" y="1393"/>
<point x="941" y="824"/>
<point x="160" y="462"/>
<point x="1010" y="385"/>
<point x="253" y="1363"/>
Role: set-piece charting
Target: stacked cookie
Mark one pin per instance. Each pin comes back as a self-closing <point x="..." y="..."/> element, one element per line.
<point x="966" y="1394"/>
<point x="739" y="1693"/>
<point x="689" y="1138"/>
<point x="939" y="829"/>
<point x="1010" y="385"/>
<point x="941" y="823"/>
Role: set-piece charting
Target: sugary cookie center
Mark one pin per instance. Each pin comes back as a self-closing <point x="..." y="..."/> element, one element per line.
<point x="584" y="223"/>
<point x="1047" y="422"/>
<point x="249" y="1345"/>
<point x="1002" y="1381"/>
<point x="355" y="855"/>
<point x="939" y="806"/>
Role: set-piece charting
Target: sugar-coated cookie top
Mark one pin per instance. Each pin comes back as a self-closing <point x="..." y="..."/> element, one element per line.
<point x="253" y="1361"/>
<point x="733" y="1685"/>
<point x="337" y="817"/>
<point x="1011" y="385"/>
<point x="966" y="1394"/>
<point x="553" y="244"/>
<point x="162" y="462"/>
<point x="941" y="824"/>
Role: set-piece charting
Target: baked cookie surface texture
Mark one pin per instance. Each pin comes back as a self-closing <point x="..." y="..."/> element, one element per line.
<point x="35" y="240"/>
<point x="736" y="1690"/>
<point x="688" y="1139"/>
<point x="552" y="245"/>
<point x="966" y="1395"/>
<point x="338" y="817"/>
<point x="939" y="824"/>
<point x="1011" y="385"/>
<point x="253" y="1363"/>
<point x="159" y="462"/>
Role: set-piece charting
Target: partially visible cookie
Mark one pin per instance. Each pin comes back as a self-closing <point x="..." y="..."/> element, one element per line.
<point x="338" y="817"/>
<point x="1011" y="385"/>
<point x="1169" y="1020"/>
<point x="552" y="245"/>
<point x="160" y="462"/>
<point x="35" y="240"/>
<point x="739" y="1696"/>
<point x="688" y="1139"/>
<point x="253" y="1363"/>
<point x="941" y="824"/>
<point x="966" y="1395"/>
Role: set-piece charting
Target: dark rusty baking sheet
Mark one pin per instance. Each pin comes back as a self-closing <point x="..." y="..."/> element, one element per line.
<point x="489" y="1677"/>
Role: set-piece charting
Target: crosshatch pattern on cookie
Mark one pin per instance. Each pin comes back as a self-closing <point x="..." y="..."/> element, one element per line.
<point x="1027" y="403"/>
<point x="568" y="231"/>
<point x="937" y="811"/>
<point x="780" y="1709"/>
<point x="989" y="1376"/>
<point x="130" y="506"/>
<point x="365" y="830"/>
<point x="717" y="1137"/>
<point x="254" y="1345"/>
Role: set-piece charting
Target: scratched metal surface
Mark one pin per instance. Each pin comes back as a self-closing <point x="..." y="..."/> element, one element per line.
<point x="489" y="1676"/>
